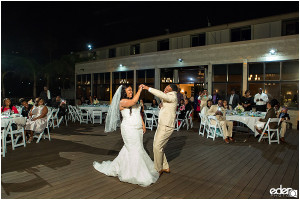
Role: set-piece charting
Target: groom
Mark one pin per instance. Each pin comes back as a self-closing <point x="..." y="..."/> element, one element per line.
<point x="166" y="124"/>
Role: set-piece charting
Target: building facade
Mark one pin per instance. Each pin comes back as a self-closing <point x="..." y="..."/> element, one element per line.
<point x="260" y="53"/>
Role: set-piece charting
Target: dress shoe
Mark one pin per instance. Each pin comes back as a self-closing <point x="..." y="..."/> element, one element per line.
<point x="226" y="140"/>
<point x="231" y="139"/>
<point x="161" y="172"/>
<point x="166" y="170"/>
<point x="259" y="130"/>
<point x="282" y="140"/>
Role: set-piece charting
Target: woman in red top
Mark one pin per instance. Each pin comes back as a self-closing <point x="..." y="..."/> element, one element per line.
<point x="7" y="106"/>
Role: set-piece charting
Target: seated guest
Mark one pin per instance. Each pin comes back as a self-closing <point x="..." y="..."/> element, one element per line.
<point x="226" y="126"/>
<point x="226" y="106"/>
<point x="285" y="118"/>
<point x="26" y="108"/>
<point x="259" y="126"/>
<point x="207" y="107"/>
<point x="187" y="107"/>
<point x="61" y="105"/>
<point x="37" y="121"/>
<point x="247" y="101"/>
<point x="143" y="107"/>
<point x="154" y="103"/>
<point x="181" y="105"/>
<point x="8" y="107"/>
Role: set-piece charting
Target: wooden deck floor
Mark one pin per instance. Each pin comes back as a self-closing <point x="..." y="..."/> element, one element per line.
<point x="200" y="167"/>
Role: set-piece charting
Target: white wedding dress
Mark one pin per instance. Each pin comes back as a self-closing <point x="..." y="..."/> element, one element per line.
<point x="133" y="164"/>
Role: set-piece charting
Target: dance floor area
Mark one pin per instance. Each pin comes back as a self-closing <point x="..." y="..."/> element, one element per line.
<point x="200" y="167"/>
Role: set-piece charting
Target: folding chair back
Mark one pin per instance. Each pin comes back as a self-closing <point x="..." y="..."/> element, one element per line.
<point x="266" y="133"/>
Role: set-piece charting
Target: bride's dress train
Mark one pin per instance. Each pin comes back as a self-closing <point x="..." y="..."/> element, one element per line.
<point x="133" y="164"/>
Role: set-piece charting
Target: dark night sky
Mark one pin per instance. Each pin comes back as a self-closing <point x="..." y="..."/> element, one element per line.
<point x="36" y="27"/>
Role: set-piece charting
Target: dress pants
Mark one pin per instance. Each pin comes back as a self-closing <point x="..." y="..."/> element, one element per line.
<point x="161" y="138"/>
<point x="227" y="132"/>
<point x="283" y="128"/>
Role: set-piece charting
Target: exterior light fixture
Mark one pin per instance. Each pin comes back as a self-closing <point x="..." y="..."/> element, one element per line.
<point x="180" y="59"/>
<point x="89" y="46"/>
<point x="272" y="51"/>
<point x="121" y="65"/>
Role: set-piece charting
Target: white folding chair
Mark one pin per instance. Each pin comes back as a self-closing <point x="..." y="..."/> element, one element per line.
<point x="149" y="119"/>
<point x="71" y="113"/>
<point x="3" y="140"/>
<point x="19" y="133"/>
<point x="179" y="122"/>
<point x="97" y="116"/>
<point x="49" y="124"/>
<point x="268" y="130"/>
<point x="203" y="124"/>
<point x="83" y="115"/>
<point x="55" y="119"/>
<point x="214" y="128"/>
<point x="190" y="118"/>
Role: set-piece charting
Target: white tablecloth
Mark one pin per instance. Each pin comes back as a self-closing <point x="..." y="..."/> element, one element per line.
<point x="91" y="108"/>
<point x="20" y="121"/>
<point x="249" y="121"/>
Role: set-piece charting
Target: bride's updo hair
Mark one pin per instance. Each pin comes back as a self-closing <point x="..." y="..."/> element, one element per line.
<point x="124" y="95"/>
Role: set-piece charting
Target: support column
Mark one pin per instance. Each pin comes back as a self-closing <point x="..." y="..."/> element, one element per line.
<point x="75" y="102"/>
<point x="92" y="87"/>
<point x="134" y="81"/>
<point x="110" y="85"/>
<point x="209" y="78"/>
<point x="175" y="76"/>
<point x="157" y="78"/>
<point x="245" y="75"/>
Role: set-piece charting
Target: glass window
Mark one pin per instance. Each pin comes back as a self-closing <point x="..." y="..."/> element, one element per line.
<point x="191" y="75"/>
<point x="198" y="40"/>
<point x="272" y="71"/>
<point x="290" y="27"/>
<point x="141" y="76"/>
<point x="135" y="49"/>
<point x="290" y="94"/>
<point x="166" y="75"/>
<point x="290" y="70"/>
<point x="256" y="72"/>
<point x="220" y="73"/>
<point x="163" y="45"/>
<point x="235" y="72"/>
<point x="107" y="78"/>
<point x="220" y="89"/>
<point x="241" y="34"/>
<point x="253" y="87"/>
<point x="150" y="74"/>
<point x="236" y="86"/>
<point x="79" y="78"/>
<point x="112" y="53"/>
<point x="272" y="90"/>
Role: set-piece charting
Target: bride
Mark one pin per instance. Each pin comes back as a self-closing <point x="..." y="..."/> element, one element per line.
<point x="133" y="164"/>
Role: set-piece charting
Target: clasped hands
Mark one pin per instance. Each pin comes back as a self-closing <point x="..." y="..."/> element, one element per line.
<point x="144" y="87"/>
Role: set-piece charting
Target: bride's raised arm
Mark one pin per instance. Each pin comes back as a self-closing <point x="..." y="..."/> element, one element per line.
<point x="126" y="103"/>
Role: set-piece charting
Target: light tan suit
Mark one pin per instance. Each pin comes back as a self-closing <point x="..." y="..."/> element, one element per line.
<point x="166" y="124"/>
<point x="227" y="132"/>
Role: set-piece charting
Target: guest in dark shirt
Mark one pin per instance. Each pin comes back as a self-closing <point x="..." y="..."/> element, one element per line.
<point x="26" y="108"/>
<point x="61" y="105"/>
<point x="247" y="101"/>
<point x="186" y="108"/>
<point x="215" y="97"/>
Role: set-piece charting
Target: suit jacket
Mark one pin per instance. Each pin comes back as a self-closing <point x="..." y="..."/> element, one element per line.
<point x="270" y="114"/>
<point x="235" y="100"/>
<point x="167" y="114"/>
<point x="212" y="111"/>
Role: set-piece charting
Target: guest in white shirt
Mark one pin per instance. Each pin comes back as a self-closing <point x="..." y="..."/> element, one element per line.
<point x="261" y="100"/>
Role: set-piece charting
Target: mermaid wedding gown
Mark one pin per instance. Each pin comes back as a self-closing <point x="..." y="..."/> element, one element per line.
<point x="133" y="164"/>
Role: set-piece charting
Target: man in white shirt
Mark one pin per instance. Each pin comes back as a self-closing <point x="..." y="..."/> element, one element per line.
<point x="261" y="100"/>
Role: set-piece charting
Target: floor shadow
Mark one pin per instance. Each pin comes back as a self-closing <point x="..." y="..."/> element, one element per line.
<point x="44" y="153"/>
<point x="174" y="147"/>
